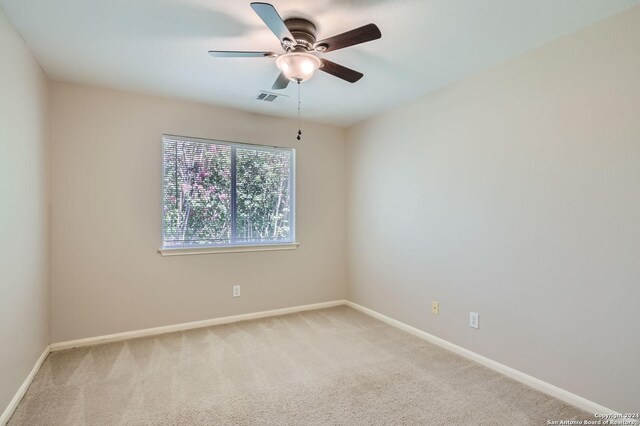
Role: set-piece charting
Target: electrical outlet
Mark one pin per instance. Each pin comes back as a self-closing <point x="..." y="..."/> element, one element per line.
<point x="435" y="308"/>
<point x="474" y="320"/>
<point x="236" y="291"/>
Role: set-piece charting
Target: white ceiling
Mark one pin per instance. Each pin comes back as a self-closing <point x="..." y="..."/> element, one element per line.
<point x="160" y="46"/>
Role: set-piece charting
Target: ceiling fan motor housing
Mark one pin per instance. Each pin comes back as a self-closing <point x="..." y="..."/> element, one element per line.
<point x="304" y="33"/>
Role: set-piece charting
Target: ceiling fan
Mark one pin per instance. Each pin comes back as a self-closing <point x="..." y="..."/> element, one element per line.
<point x="298" y="39"/>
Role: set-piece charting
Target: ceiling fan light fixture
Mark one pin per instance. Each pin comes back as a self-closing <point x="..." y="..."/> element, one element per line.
<point x="298" y="66"/>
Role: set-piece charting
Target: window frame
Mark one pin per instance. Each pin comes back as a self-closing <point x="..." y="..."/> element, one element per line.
<point x="233" y="246"/>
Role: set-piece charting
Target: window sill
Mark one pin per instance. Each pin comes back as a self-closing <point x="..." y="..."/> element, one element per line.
<point x="186" y="251"/>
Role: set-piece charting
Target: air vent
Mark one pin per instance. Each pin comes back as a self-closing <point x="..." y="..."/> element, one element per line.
<point x="268" y="96"/>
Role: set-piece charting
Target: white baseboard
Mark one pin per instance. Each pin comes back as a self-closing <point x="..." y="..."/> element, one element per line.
<point x="189" y="325"/>
<point x="519" y="376"/>
<point x="8" y="412"/>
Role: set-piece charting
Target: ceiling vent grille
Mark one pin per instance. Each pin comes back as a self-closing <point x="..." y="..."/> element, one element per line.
<point x="268" y="96"/>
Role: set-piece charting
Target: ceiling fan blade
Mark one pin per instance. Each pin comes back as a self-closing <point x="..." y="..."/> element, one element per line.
<point x="238" y="54"/>
<point x="281" y="82"/>
<point x="339" y="71"/>
<point x="270" y="16"/>
<point x="363" y="34"/>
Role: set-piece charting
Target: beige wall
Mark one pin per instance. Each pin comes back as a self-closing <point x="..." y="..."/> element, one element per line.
<point x="24" y="237"/>
<point x="107" y="276"/>
<point x="514" y="194"/>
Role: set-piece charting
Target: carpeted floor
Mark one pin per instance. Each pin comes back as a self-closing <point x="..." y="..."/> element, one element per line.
<point x="328" y="367"/>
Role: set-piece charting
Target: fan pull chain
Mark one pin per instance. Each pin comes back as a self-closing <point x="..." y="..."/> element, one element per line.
<point x="299" y="131"/>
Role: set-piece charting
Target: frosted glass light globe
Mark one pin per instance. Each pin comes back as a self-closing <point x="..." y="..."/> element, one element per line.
<point x="298" y="66"/>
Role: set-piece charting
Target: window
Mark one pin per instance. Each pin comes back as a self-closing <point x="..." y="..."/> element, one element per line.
<point x="221" y="194"/>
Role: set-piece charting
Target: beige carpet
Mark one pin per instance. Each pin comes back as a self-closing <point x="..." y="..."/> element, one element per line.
<point x="329" y="367"/>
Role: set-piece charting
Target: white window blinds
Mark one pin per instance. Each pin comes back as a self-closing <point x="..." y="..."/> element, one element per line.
<point x="221" y="194"/>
